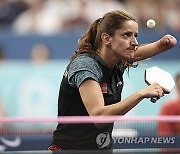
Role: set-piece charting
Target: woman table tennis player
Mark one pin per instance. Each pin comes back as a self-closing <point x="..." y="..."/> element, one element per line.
<point x="93" y="80"/>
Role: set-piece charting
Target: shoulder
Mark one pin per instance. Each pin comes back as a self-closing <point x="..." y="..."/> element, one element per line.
<point x="84" y="58"/>
<point x="84" y="62"/>
<point x="84" y="66"/>
<point x="81" y="68"/>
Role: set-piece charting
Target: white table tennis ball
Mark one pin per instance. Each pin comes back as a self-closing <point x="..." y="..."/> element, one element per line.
<point x="151" y="23"/>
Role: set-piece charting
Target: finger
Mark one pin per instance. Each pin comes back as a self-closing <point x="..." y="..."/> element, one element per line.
<point x="159" y="91"/>
<point x="159" y="95"/>
<point x="166" y="91"/>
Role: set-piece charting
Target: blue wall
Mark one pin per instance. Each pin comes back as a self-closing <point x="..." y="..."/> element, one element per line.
<point x="63" y="45"/>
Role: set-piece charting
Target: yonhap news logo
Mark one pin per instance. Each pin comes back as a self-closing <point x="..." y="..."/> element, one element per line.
<point x="144" y="140"/>
<point x="103" y="140"/>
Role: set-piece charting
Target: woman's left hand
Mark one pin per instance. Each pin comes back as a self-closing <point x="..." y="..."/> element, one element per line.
<point x="168" y="41"/>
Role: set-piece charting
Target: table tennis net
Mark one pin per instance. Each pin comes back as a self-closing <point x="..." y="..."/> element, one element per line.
<point x="130" y="134"/>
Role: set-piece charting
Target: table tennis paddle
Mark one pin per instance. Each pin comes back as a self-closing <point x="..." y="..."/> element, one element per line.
<point x="161" y="77"/>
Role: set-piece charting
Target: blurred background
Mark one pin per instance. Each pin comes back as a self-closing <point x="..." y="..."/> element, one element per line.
<point x="37" y="38"/>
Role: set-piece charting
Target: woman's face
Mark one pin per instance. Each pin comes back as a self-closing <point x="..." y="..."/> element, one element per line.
<point x="123" y="42"/>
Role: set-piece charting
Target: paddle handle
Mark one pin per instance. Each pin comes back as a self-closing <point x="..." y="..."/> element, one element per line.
<point x="154" y="99"/>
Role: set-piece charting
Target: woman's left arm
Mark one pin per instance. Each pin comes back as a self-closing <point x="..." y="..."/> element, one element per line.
<point x="152" y="49"/>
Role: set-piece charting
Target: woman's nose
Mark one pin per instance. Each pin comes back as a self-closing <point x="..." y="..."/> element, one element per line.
<point x="134" y="42"/>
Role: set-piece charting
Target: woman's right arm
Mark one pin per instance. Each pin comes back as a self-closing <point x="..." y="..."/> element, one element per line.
<point x="93" y="100"/>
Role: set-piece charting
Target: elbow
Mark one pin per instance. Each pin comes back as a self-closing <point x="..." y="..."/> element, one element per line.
<point x="99" y="112"/>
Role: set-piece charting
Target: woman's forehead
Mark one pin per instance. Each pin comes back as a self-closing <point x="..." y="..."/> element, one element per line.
<point x="130" y="25"/>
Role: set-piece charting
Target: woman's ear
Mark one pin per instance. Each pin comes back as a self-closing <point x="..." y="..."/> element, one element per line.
<point x="106" y="38"/>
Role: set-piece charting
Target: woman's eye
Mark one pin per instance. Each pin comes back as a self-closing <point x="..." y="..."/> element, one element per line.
<point x="136" y="35"/>
<point x="127" y="34"/>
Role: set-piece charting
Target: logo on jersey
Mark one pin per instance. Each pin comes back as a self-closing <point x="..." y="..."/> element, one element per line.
<point x="119" y="83"/>
<point x="104" y="88"/>
<point x="103" y="140"/>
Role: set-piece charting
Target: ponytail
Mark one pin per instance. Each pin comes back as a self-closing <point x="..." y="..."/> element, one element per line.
<point x="86" y="44"/>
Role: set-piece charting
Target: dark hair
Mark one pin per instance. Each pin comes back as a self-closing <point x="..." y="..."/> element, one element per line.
<point x="91" y="41"/>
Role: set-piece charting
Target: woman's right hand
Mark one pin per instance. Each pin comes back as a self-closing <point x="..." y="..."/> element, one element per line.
<point x="153" y="90"/>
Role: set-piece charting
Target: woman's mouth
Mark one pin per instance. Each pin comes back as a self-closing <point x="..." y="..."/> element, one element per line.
<point x="131" y="49"/>
<point x="130" y="53"/>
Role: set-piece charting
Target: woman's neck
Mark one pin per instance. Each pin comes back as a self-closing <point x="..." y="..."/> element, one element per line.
<point x="108" y="58"/>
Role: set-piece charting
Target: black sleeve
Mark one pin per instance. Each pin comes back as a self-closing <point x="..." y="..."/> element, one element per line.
<point x="82" y="68"/>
